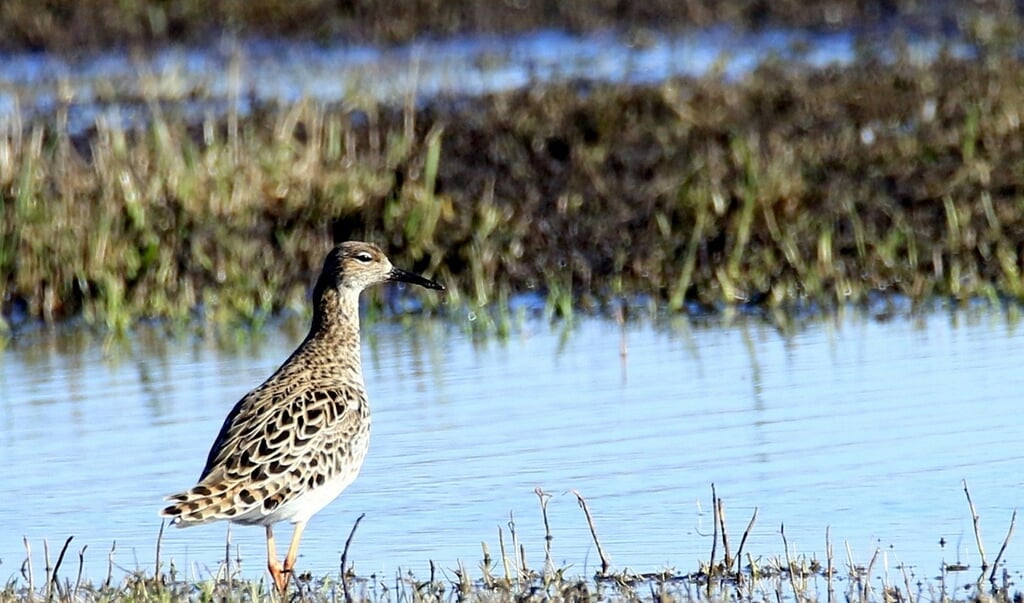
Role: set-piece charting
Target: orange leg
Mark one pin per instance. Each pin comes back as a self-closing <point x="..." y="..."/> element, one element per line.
<point x="282" y="573"/>
<point x="293" y="548"/>
<point x="279" y="574"/>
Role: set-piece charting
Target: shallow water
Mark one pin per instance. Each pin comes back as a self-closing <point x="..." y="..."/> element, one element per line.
<point x="205" y="81"/>
<point x="864" y="426"/>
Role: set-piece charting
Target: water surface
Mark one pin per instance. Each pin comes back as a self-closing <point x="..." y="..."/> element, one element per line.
<point x="865" y="426"/>
<point x="208" y="81"/>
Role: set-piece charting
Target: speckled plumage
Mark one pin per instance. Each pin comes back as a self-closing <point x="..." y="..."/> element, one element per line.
<point x="290" y="446"/>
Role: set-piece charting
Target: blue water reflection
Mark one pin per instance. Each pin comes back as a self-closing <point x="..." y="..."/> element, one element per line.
<point x="863" y="426"/>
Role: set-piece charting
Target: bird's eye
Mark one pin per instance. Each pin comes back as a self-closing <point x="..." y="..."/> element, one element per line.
<point x="364" y="257"/>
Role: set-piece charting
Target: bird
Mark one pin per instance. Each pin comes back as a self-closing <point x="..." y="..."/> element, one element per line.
<point x="292" y="445"/>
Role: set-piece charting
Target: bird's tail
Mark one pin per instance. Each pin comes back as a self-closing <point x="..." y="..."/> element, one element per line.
<point x="203" y="503"/>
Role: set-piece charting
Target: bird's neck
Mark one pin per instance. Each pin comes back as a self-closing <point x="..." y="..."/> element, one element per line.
<point x="335" y="327"/>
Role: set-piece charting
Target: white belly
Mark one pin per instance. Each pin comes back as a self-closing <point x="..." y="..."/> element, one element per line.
<point x="309" y="502"/>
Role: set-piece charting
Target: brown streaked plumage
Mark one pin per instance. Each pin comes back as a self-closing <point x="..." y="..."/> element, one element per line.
<point x="290" y="446"/>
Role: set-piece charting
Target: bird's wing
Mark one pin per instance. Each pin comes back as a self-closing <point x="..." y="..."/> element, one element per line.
<point x="282" y="438"/>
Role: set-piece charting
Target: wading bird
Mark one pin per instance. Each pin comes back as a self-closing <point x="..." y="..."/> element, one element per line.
<point x="290" y="446"/>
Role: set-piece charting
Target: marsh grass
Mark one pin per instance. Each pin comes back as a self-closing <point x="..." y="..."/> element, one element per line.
<point x="171" y="223"/>
<point x="786" y="190"/>
<point x="505" y="573"/>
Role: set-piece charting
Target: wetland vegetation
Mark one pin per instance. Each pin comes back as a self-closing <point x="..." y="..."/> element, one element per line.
<point x="504" y="573"/>
<point x="786" y="189"/>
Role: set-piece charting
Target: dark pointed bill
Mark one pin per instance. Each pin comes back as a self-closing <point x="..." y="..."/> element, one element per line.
<point x="397" y="274"/>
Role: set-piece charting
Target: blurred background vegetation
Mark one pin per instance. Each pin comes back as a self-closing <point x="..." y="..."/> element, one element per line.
<point x="786" y="189"/>
<point x="77" y="25"/>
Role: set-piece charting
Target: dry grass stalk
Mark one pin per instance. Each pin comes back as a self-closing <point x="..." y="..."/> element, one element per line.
<point x="975" y="521"/>
<point x="544" y="497"/>
<point x="344" y="559"/>
<point x="605" y="563"/>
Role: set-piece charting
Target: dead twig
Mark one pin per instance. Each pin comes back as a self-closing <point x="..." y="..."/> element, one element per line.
<point x="605" y="564"/>
<point x="977" y="528"/>
<point x="81" y="566"/>
<point x="504" y="558"/>
<point x="789" y="562"/>
<point x="725" y="537"/>
<point x="829" y="568"/>
<point x="544" y="497"/>
<point x="867" y="580"/>
<point x="48" y="568"/>
<point x="906" y="583"/>
<point x="521" y="569"/>
<point x="485" y="565"/>
<point x="26" y="568"/>
<point x="1002" y="549"/>
<point x="159" y="543"/>
<point x="743" y="542"/>
<point x="56" y="568"/>
<point x="714" y="537"/>
<point x="344" y="559"/>
<point x="465" y="583"/>
<point x="110" y="567"/>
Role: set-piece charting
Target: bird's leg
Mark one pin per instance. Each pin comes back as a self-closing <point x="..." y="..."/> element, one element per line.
<point x="279" y="575"/>
<point x="293" y="548"/>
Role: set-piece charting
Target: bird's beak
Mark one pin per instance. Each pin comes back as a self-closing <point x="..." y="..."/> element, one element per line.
<point x="397" y="274"/>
